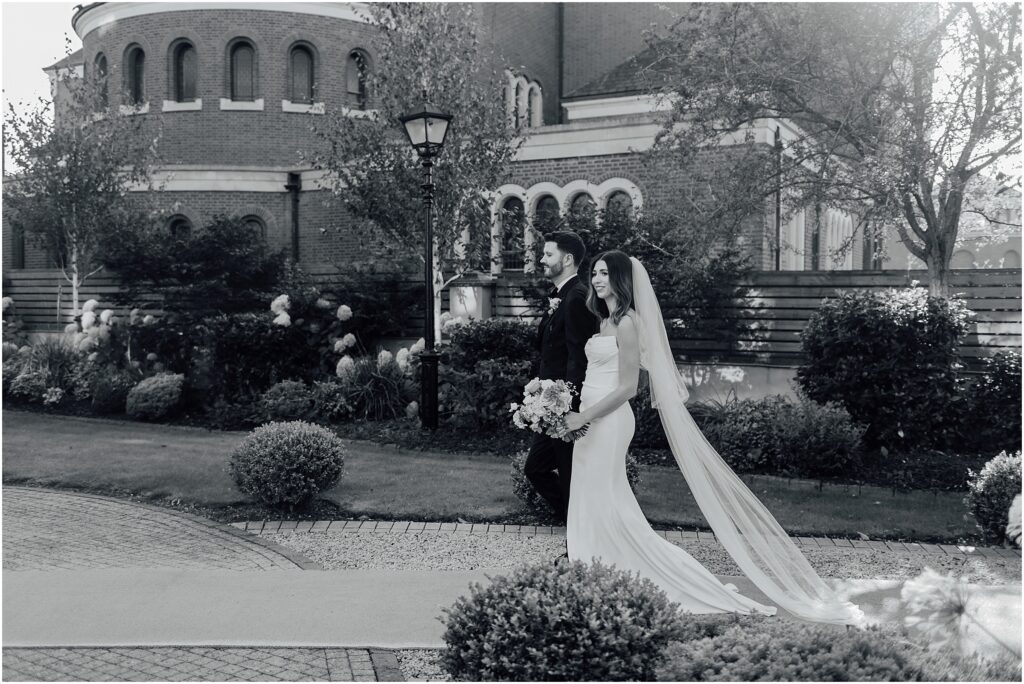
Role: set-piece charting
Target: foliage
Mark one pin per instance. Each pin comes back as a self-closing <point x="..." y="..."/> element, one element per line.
<point x="990" y="493"/>
<point x="890" y="358"/>
<point x="29" y="385"/>
<point x="287" y="464"/>
<point x="13" y="327"/>
<point x="155" y="397"/>
<point x="224" y="266"/>
<point x="897" y="120"/>
<point x="74" y="171"/>
<point x="535" y="503"/>
<point x="110" y="389"/>
<point x="378" y="388"/>
<point x="779" y="437"/>
<point x="748" y="649"/>
<point x="372" y="160"/>
<point x="922" y="469"/>
<point x="992" y="406"/>
<point x="330" y="402"/>
<point x="287" y="400"/>
<point x="494" y="338"/>
<point x="573" y="622"/>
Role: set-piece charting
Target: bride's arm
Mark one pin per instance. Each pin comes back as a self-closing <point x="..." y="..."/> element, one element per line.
<point x="629" y="372"/>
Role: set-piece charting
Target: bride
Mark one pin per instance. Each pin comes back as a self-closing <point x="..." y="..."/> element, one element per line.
<point x="606" y="522"/>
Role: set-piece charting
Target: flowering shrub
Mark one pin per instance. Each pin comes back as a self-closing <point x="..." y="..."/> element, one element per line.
<point x="29" y="385"/>
<point x="36" y="372"/>
<point x="287" y="400"/>
<point x="155" y="397"/>
<point x="110" y="391"/>
<point x="330" y="402"/>
<point x="891" y="359"/>
<point x="1013" y="522"/>
<point x="535" y="503"/>
<point x="377" y="388"/>
<point x="748" y="649"/>
<point x="287" y="464"/>
<point x="990" y="493"/>
<point x="572" y="622"/>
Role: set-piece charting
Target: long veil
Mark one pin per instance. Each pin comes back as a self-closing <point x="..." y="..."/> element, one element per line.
<point x="758" y="544"/>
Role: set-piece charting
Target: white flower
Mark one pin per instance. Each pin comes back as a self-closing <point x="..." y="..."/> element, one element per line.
<point x="344" y="312"/>
<point x="345" y="366"/>
<point x="339" y="346"/>
<point x="71" y="328"/>
<point x="533" y="385"/>
<point x="384" y="358"/>
<point x="93" y="356"/>
<point x="553" y="303"/>
<point x="133" y="316"/>
<point x="280" y="304"/>
<point x="348" y="340"/>
<point x="148" y="320"/>
<point x="1013" y="524"/>
<point x="412" y="410"/>
<point x="90" y="305"/>
<point x="106" y="315"/>
<point x="151" y="356"/>
<point x="402" y="358"/>
<point x="418" y="347"/>
<point x="283" y="319"/>
<point x="935" y="605"/>
<point x="322" y="303"/>
<point x="53" y="395"/>
<point x="88" y="319"/>
<point x="8" y="302"/>
<point x="445" y="317"/>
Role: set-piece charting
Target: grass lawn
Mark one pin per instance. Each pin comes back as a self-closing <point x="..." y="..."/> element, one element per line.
<point x="188" y="466"/>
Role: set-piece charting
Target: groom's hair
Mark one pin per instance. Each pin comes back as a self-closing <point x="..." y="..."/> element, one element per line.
<point x="570" y="243"/>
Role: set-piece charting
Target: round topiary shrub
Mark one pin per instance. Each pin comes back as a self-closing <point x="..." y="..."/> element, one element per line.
<point x="155" y="397"/>
<point x="990" y="494"/>
<point x="570" y="622"/>
<point x="287" y="400"/>
<point x="746" y="649"/>
<point x="891" y="359"/>
<point x="535" y="503"/>
<point x="287" y="464"/>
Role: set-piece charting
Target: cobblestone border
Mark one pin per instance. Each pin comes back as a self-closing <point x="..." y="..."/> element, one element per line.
<point x="259" y="527"/>
<point x="231" y="530"/>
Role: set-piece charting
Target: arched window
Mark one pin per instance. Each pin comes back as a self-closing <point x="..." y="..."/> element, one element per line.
<point x="619" y="206"/>
<point x="547" y="217"/>
<point x="243" y="72"/>
<point x="582" y="214"/>
<point x="513" y="224"/>
<point x="963" y="259"/>
<point x="1011" y="259"/>
<point x="535" y="113"/>
<point x="100" y="66"/>
<point x="300" y="65"/>
<point x="357" y="71"/>
<point x="179" y="227"/>
<point x="135" y="75"/>
<point x="184" y="72"/>
<point x="256" y="225"/>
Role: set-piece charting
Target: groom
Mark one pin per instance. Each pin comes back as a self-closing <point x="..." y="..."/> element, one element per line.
<point x="564" y="331"/>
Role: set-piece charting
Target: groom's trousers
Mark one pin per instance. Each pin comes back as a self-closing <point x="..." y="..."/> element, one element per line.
<point x="549" y="469"/>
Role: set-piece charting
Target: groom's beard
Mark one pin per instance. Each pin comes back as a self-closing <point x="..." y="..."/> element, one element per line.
<point x="552" y="272"/>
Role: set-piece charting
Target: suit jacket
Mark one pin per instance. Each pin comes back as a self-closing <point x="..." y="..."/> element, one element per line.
<point x="563" y="335"/>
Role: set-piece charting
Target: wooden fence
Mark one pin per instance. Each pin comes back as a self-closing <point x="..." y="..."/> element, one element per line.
<point x="775" y="308"/>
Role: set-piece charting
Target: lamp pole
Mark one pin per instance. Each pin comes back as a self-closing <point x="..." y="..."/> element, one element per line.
<point x="426" y="128"/>
<point x="430" y="356"/>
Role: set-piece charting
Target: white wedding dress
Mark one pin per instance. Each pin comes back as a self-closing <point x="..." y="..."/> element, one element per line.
<point x="605" y="520"/>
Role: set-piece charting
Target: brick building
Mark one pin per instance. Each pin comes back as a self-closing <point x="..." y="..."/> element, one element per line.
<point x="235" y="83"/>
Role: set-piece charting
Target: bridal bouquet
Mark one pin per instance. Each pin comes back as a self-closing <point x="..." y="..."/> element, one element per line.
<point x="545" y="406"/>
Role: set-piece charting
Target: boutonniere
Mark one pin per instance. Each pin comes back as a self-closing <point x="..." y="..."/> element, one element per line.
<point x="553" y="303"/>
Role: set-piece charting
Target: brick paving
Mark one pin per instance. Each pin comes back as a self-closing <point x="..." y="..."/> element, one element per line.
<point x="401" y="527"/>
<point x="203" y="664"/>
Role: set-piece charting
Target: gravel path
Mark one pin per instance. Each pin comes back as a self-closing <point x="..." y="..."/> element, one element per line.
<point x="447" y="551"/>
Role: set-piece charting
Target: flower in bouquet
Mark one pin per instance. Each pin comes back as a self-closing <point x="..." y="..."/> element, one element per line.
<point x="544" y="408"/>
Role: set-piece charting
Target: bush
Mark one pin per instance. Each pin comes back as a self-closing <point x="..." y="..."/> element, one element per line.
<point x="287" y="464"/>
<point x="779" y="437"/>
<point x="29" y="385"/>
<point x="922" y="469"/>
<point x="110" y="389"/>
<point x="992" y="407"/>
<point x="751" y="649"/>
<point x="330" y="402"/>
<point x="891" y="359"/>
<point x="287" y="400"/>
<point x="155" y="397"/>
<point x="377" y="388"/>
<point x="990" y="493"/>
<point x="535" y="503"/>
<point x="493" y="339"/>
<point x="572" y="622"/>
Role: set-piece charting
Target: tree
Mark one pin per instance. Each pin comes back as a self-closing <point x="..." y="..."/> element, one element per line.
<point x="899" y="107"/>
<point x="73" y="173"/>
<point x="423" y="50"/>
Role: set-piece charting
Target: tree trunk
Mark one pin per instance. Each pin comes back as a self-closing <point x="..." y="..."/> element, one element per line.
<point x="75" y="311"/>
<point x="938" y="276"/>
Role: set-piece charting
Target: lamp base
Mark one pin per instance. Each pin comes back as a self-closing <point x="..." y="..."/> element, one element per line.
<point x="428" y="388"/>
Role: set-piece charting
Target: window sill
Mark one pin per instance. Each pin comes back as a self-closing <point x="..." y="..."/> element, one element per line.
<point x="129" y="110"/>
<point x="175" y="106"/>
<point x="241" y="106"/>
<point x="302" y="107"/>
<point x="359" y="113"/>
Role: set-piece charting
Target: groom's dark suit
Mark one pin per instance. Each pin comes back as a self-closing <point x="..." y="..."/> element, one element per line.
<point x="561" y="340"/>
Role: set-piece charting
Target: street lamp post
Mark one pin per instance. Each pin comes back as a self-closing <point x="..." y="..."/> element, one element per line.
<point x="426" y="129"/>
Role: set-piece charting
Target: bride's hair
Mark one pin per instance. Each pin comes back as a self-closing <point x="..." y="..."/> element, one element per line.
<point x="620" y="279"/>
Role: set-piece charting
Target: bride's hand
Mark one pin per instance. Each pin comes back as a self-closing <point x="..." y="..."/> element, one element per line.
<point x="575" y="421"/>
